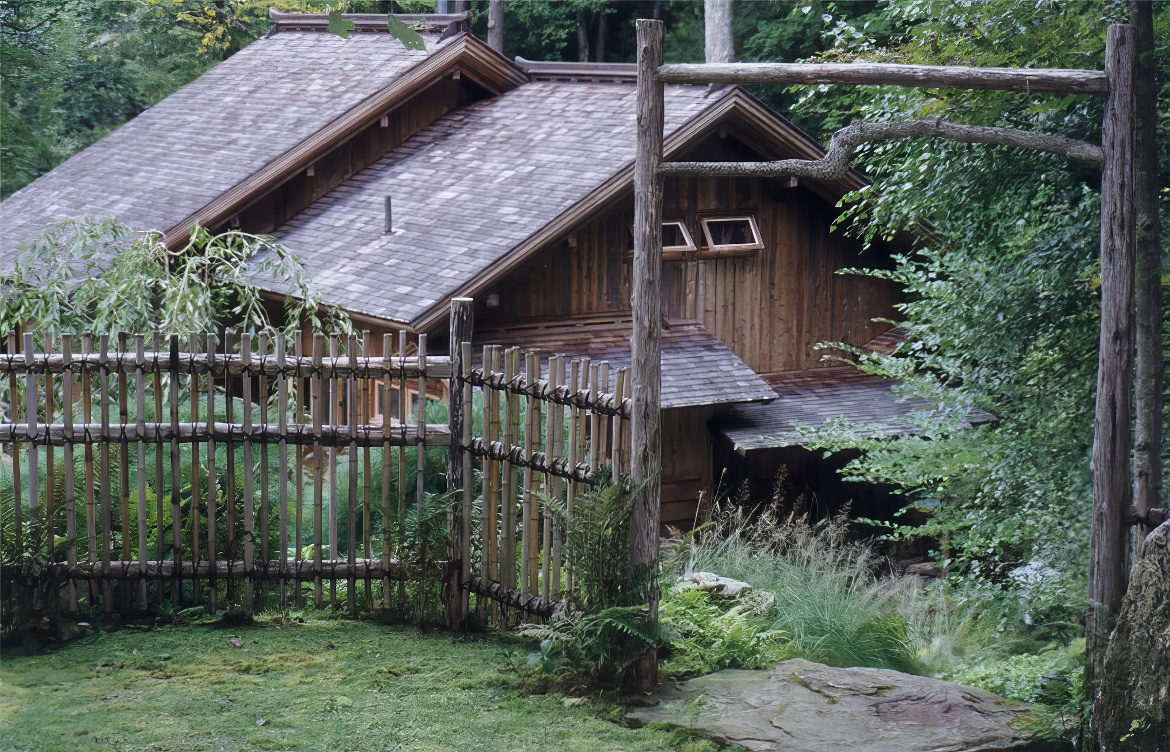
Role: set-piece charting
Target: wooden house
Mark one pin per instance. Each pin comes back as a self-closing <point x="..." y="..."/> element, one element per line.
<point x="405" y="178"/>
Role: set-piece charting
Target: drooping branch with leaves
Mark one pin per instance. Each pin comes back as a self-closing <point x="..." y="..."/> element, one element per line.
<point x="98" y="275"/>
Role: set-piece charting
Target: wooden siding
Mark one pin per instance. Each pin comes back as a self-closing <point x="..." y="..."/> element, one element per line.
<point x="769" y="306"/>
<point x="686" y="464"/>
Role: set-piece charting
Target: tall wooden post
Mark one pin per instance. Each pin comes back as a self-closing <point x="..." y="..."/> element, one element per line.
<point x="495" y="35"/>
<point x="1148" y="379"/>
<point x="645" y="342"/>
<point x="1109" y="544"/>
<point x="461" y="327"/>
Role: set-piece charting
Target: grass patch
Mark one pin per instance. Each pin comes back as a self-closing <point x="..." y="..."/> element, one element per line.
<point x="322" y="685"/>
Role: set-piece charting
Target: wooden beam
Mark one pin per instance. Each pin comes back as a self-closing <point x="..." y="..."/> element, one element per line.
<point x="646" y="338"/>
<point x="1058" y="80"/>
<point x="460" y="331"/>
<point x="1109" y="555"/>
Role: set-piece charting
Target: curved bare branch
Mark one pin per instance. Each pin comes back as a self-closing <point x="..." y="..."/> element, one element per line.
<point x="846" y="141"/>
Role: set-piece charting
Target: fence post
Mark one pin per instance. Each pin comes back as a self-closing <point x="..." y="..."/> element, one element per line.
<point x="645" y="343"/>
<point x="461" y="327"/>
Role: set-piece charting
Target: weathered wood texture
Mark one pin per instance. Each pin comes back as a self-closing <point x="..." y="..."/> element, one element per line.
<point x="1148" y="376"/>
<point x="646" y="341"/>
<point x="768" y="306"/>
<point x="1109" y="542"/>
<point x="717" y="37"/>
<point x="1066" y="81"/>
<point x="543" y="439"/>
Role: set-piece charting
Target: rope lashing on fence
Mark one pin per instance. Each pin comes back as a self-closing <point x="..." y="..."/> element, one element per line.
<point x="538" y="461"/>
<point x="603" y="404"/>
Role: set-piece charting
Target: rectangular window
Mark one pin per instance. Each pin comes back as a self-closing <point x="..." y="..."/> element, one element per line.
<point x="676" y="241"/>
<point x="731" y="234"/>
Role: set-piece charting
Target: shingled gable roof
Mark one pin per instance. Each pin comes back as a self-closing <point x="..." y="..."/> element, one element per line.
<point x="478" y="191"/>
<point x="239" y="130"/>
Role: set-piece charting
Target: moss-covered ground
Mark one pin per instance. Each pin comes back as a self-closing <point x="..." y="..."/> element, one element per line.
<point x="321" y="685"/>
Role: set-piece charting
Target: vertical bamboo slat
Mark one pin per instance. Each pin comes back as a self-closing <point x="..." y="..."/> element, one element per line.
<point x="508" y="497"/>
<point x="50" y="486"/>
<point x="196" y="467"/>
<point x="420" y="471"/>
<point x="124" y="462"/>
<point x="485" y="528"/>
<point x="332" y="397"/>
<point x="364" y="415"/>
<point x="35" y="516"/>
<point x="104" y="462"/>
<point x="616" y="440"/>
<point x="403" y="420"/>
<point x="558" y="449"/>
<point x="212" y="478"/>
<point x="351" y="507"/>
<point x="159" y="539"/>
<point x="282" y="463"/>
<point x="230" y="542"/>
<point x="176" y="482"/>
<point x="599" y="439"/>
<point x="546" y="547"/>
<point x="318" y="407"/>
<point x="574" y="457"/>
<point x="14" y="408"/>
<point x="468" y="473"/>
<point x="140" y="445"/>
<point x="70" y="492"/>
<point x="387" y="343"/>
<point x="265" y="469"/>
<point x="298" y="475"/>
<point x="249" y="480"/>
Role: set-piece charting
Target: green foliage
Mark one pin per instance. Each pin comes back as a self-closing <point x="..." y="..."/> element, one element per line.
<point x="708" y="633"/>
<point x="1001" y="309"/>
<point x="601" y="645"/>
<point x="100" y="276"/>
<point x="410" y="38"/>
<point x="342" y="26"/>
<point x="831" y="603"/>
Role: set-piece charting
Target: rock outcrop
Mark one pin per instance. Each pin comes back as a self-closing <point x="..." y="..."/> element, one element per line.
<point x="799" y="706"/>
<point x="1133" y="711"/>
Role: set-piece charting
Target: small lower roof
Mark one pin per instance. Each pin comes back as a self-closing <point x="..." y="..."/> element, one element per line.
<point x="697" y="369"/>
<point x="814" y="397"/>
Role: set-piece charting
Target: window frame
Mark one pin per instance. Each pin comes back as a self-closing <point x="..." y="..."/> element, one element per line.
<point x="673" y="252"/>
<point x="711" y="249"/>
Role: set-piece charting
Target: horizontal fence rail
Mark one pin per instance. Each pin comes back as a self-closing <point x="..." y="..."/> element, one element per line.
<point x="141" y="470"/>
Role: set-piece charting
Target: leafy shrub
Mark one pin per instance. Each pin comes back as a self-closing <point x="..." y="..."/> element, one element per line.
<point x="832" y="604"/>
<point x="602" y="645"/>
<point x="708" y="633"/>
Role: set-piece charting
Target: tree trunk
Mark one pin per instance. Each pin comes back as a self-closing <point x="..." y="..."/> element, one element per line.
<point x="1148" y="380"/>
<point x="583" y="35"/>
<point x="599" y="49"/>
<point x="1112" y="489"/>
<point x="717" y="27"/>
<point x="645" y="342"/>
<point x="458" y="6"/>
<point x="1132" y="712"/>
<point x="495" y="36"/>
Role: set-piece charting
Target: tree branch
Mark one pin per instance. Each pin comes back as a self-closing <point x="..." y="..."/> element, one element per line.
<point x="845" y="142"/>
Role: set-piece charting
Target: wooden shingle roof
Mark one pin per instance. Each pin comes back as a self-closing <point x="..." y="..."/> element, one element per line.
<point x="467" y="190"/>
<point x="812" y="398"/>
<point x="697" y="369"/>
<point x="161" y="168"/>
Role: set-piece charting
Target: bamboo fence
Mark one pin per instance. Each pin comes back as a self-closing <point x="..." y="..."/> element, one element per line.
<point x="181" y="470"/>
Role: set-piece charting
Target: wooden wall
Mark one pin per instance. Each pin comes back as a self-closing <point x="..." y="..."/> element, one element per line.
<point x="768" y="306"/>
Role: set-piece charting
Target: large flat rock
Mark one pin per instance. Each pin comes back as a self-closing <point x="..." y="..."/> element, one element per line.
<point x="800" y="706"/>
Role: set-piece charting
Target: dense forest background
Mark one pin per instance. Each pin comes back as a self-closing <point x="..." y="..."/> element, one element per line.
<point x="1003" y="305"/>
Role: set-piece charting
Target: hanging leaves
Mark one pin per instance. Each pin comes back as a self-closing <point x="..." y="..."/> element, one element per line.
<point x="340" y="26"/>
<point x="410" y="38"/>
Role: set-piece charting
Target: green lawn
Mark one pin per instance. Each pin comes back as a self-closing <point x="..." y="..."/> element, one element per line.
<point x="322" y="685"/>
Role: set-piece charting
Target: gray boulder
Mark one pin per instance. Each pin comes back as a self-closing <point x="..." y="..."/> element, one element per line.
<point x="800" y="706"/>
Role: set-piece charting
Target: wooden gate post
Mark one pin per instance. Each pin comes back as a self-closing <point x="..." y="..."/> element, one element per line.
<point x="645" y="342"/>
<point x="1109" y="543"/>
<point x="459" y="514"/>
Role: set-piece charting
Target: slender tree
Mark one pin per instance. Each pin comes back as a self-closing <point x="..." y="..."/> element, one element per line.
<point x="717" y="24"/>
<point x="495" y="34"/>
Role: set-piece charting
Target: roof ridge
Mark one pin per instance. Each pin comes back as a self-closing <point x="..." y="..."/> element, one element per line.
<point x="363" y="22"/>
<point x="555" y="70"/>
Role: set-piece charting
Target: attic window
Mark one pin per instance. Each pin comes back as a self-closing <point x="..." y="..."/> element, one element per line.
<point x="731" y="234"/>
<point x="676" y="240"/>
<point x="676" y="237"/>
